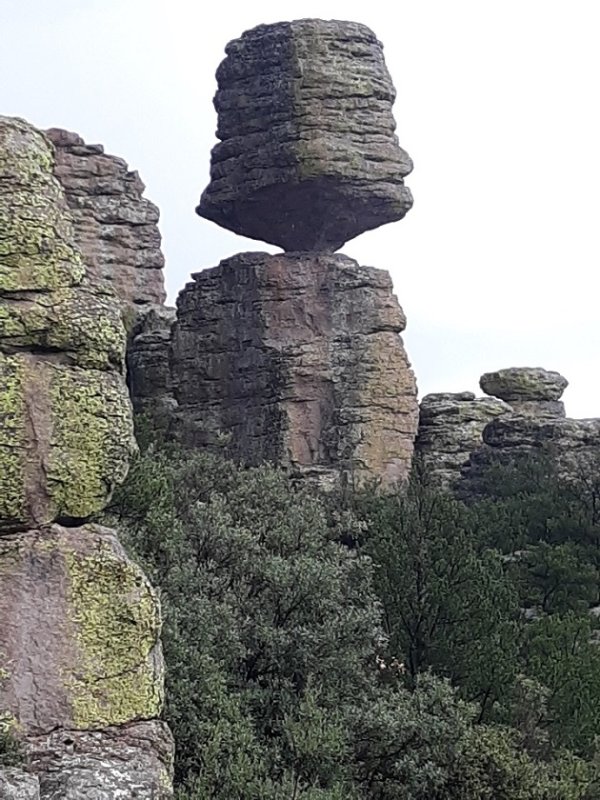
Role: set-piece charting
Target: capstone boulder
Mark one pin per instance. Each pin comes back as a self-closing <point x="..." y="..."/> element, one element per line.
<point x="308" y="157"/>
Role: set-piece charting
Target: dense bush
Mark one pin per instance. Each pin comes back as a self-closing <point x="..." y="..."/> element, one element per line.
<point x="401" y="667"/>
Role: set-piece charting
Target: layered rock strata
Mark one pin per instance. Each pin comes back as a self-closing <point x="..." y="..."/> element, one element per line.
<point x="531" y="391"/>
<point x="308" y="157"/>
<point x="116" y="228"/>
<point x="450" y="429"/>
<point x="80" y="665"/>
<point x="291" y="359"/>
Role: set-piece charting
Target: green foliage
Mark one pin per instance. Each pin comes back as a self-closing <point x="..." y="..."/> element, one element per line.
<point x="400" y="668"/>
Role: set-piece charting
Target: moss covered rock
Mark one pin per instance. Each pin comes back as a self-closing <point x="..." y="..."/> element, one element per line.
<point x="66" y="432"/>
<point x="80" y="632"/>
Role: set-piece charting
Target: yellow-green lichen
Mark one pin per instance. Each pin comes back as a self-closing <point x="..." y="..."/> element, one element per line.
<point x="116" y="620"/>
<point x="85" y="326"/>
<point x="12" y="440"/>
<point x="91" y="440"/>
<point x="37" y="248"/>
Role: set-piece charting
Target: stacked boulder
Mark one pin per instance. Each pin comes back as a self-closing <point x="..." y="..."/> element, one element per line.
<point x="80" y="661"/>
<point x="537" y="426"/>
<point x="462" y="436"/>
<point x="294" y="358"/>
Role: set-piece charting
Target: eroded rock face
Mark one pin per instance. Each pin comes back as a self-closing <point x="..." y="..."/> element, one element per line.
<point x="532" y="391"/>
<point x="132" y="761"/>
<point x="16" y="784"/>
<point x="149" y="365"/>
<point x="116" y="228"/>
<point x="80" y="631"/>
<point x="65" y="422"/>
<point x="296" y="360"/>
<point x="450" y="429"/>
<point x="308" y="157"/>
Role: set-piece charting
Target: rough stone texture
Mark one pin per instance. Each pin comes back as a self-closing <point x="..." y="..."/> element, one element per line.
<point x="531" y="391"/>
<point x="308" y="157"/>
<point x="131" y="761"/>
<point x="66" y="432"/>
<point x="450" y="429"/>
<point x="515" y="438"/>
<point x="149" y="364"/>
<point x="295" y="359"/>
<point x="79" y="632"/>
<point x="116" y="228"/>
<point x="16" y="784"/>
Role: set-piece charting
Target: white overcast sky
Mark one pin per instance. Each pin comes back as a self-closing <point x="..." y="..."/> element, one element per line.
<point x="498" y="262"/>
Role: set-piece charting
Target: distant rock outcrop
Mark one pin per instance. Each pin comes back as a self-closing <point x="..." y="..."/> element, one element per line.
<point x="115" y="226"/>
<point x="80" y="662"/>
<point x="308" y="157"/>
<point x="532" y="391"/>
<point x="462" y="437"/>
<point x="450" y="429"/>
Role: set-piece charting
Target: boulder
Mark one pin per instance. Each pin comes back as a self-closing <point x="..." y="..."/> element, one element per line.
<point x="79" y="637"/>
<point x="307" y="156"/>
<point x="532" y="391"/>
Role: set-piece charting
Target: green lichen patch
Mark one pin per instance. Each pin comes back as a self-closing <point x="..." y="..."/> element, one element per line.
<point x="116" y="619"/>
<point x="12" y="444"/>
<point x="85" y="326"/>
<point x="91" y="439"/>
<point x="37" y="247"/>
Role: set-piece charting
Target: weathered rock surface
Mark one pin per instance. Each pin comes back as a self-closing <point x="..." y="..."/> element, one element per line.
<point x="532" y="391"/>
<point x="450" y="429"/>
<point x="296" y="360"/>
<point x="515" y="438"/>
<point x="149" y="364"/>
<point x="16" y="784"/>
<point x="65" y="421"/>
<point x="308" y="157"/>
<point x="79" y="634"/>
<point x="116" y="228"/>
<point x="125" y="763"/>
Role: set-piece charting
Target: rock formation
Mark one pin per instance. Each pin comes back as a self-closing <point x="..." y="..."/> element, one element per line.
<point x="80" y="664"/>
<point x="294" y="359"/>
<point x="307" y="157"/>
<point x="461" y="436"/>
<point x="450" y="429"/>
<point x="532" y="391"/>
<point x="115" y="226"/>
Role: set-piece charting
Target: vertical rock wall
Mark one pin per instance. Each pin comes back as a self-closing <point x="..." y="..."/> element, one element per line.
<point x="116" y="228"/>
<point x="297" y="360"/>
<point x="80" y="664"/>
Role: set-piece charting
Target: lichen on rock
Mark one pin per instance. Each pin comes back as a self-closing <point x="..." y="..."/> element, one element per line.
<point x="67" y="433"/>
<point x="80" y="630"/>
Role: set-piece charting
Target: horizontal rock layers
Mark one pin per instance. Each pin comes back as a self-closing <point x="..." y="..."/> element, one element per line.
<point x="462" y="437"/>
<point x="294" y="359"/>
<point x="80" y="663"/>
<point x="450" y="429"/>
<point x="66" y="431"/>
<point x="308" y="157"/>
<point x="116" y="228"/>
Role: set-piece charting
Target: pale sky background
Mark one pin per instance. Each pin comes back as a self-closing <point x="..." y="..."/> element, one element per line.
<point x="498" y="262"/>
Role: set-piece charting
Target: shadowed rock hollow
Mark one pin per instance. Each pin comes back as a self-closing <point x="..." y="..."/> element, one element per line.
<point x="308" y="158"/>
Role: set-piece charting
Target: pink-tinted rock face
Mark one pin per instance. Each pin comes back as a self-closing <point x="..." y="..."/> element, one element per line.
<point x="295" y="359"/>
<point x="116" y="228"/>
